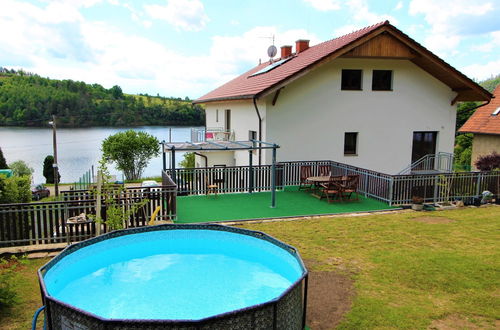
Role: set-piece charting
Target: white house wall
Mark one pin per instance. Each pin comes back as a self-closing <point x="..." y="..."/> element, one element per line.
<point x="313" y="113"/>
<point x="243" y="119"/>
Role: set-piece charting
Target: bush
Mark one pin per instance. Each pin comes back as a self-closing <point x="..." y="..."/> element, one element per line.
<point x="16" y="189"/>
<point x="488" y="162"/>
<point x="3" y="162"/>
<point x="7" y="293"/>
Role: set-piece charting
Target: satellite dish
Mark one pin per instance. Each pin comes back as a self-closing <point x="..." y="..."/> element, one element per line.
<point x="272" y="51"/>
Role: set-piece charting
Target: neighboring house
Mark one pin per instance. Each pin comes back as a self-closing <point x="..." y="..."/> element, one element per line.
<point x="485" y="125"/>
<point x="374" y="98"/>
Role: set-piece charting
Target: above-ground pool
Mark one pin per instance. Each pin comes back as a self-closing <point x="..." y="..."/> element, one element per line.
<point x="176" y="276"/>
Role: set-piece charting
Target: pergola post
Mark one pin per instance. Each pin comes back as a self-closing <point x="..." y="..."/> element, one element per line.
<point x="250" y="171"/>
<point x="273" y="178"/>
<point x="172" y="165"/>
<point x="164" y="156"/>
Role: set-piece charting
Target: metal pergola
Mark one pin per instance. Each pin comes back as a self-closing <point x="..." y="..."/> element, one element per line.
<point x="250" y="145"/>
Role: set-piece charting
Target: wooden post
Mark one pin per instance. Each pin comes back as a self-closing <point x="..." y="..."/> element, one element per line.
<point x="98" y="203"/>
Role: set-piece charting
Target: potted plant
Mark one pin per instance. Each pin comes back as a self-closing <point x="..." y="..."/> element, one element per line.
<point x="417" y="203"/>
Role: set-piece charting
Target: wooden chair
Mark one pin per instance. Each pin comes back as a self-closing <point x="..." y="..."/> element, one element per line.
<point x="351" y="186"/>
<point x="325" y="170"/>
<point x="332" y="189"/>
<point x="305" y="172"/>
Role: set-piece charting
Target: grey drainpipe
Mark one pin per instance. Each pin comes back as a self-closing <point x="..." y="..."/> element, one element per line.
<point x="260" y="129"/>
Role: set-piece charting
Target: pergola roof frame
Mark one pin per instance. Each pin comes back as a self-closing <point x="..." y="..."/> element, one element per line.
<point x="253" y="145"/>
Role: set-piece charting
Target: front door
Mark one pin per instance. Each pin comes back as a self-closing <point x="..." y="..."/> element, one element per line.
<point x="424" y="143"/>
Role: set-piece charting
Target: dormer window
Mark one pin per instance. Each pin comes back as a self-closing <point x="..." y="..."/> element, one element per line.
<point x="496" y="112"/>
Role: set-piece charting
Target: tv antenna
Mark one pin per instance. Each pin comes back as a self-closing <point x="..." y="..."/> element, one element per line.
<point x="271" y="50"/>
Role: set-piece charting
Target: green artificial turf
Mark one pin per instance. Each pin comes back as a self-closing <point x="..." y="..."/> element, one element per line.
<point x="290" y="202"/>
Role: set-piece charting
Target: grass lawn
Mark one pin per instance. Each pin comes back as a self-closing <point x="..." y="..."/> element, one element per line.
<point x="289" y="202"/>
<point x="443" y="270"/>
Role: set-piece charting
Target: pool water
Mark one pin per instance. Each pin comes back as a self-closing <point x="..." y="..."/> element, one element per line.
<point x="172" y="274"/>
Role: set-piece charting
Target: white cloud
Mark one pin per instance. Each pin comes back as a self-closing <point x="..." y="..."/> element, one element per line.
<point x="188" y="15"/>
<point x="489" y="46"/>
<point x="361" y="16"/>
<point x="451" y="23"/>
<point x="399" y="5"/>
<point x="482" y="71"/>
<point x="324" y="5"/>
<point x="96" y="52"/>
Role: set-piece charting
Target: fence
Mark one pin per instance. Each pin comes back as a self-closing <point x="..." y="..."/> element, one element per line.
<point x="45" y="223"/>
<point x="392" y="189"/>
<point x="85" y="181"/>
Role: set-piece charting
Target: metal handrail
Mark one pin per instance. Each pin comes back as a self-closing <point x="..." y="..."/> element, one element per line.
<point x="428" y="163"/>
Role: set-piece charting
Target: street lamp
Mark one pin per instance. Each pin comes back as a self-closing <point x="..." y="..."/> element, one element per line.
<point x="54" y="143"/>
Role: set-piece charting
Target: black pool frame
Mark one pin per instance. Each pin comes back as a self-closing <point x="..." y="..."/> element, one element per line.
<point x="288" y="311"/>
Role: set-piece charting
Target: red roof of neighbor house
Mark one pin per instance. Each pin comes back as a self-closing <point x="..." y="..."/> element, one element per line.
<point x="247" y="86"/>
<point x="483" y="121"/>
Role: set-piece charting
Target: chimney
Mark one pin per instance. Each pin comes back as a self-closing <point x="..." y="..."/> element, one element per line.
<point x="286" y="51"/>
<point x="301" y="45"/>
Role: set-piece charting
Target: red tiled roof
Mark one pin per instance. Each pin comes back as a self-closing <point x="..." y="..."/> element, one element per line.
<point x="482" y="121"/>
<point x="245" y="86"/>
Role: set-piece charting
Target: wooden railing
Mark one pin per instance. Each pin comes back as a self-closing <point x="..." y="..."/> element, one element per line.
<point x="45" y="222"/>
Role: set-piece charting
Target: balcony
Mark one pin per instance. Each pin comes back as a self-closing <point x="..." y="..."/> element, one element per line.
<point x="211" y="134"/>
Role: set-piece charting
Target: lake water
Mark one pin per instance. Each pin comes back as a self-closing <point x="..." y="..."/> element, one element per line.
<point x="77" y="148"/>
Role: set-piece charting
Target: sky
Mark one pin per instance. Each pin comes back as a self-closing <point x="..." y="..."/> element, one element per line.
<point x="189" y="47"/>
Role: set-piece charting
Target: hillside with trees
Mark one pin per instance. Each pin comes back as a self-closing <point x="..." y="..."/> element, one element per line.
<point x="26" y="99"/>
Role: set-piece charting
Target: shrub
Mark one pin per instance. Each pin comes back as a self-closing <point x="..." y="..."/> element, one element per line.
<point x="16" y="189"/>
<point x="488" y="162"/>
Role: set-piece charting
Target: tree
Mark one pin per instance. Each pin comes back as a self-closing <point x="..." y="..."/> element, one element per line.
<point x="3" y="162"/>
<point x="131" y="151"/>
<point x="20" y="168"/>
<point x="188" y="161"/>
<point x="48" y="170"/>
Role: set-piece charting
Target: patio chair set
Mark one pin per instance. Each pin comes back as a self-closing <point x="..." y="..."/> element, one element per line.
<point x="332" y="187"/>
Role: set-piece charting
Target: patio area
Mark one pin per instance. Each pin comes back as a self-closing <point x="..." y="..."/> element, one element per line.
<point x="242" y="206"/>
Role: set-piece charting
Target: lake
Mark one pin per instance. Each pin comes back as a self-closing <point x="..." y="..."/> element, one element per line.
<point x="77" y="148"/>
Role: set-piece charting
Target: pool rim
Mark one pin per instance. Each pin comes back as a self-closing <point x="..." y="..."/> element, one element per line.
<point x="130" y="231"/>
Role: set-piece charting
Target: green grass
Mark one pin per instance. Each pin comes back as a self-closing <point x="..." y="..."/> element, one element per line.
<point x="407" y="274"/>
<point x="290" y="202"/>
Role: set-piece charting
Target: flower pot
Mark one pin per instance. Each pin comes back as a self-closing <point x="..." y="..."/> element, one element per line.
<point x="417" y="207"/>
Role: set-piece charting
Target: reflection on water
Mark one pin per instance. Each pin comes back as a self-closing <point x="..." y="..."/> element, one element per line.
<point x="77" y="148"/>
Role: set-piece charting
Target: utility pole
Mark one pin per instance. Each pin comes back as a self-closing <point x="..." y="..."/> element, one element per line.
<point x="54" y="143"/>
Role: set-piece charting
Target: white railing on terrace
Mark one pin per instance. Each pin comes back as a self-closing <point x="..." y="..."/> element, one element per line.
<point x="211" y="134"/>
<point x="431" y="163"/>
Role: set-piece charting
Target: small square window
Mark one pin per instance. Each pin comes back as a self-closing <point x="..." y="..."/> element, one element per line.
<point x="382" y="80"/>
<point x="350" y="143"/>
<point x="351" y="80"/>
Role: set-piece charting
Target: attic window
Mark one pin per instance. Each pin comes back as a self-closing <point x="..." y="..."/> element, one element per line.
<point x="496" y="112"/>
<point x="351" y="80"/>
<point x="271" y="66"/>
<point x="382" y="80"/>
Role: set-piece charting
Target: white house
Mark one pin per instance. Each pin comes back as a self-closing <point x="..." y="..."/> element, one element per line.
<point x="374" y="98"/>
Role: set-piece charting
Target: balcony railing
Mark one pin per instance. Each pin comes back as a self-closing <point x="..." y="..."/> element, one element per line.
<point x="211" y="134"/>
